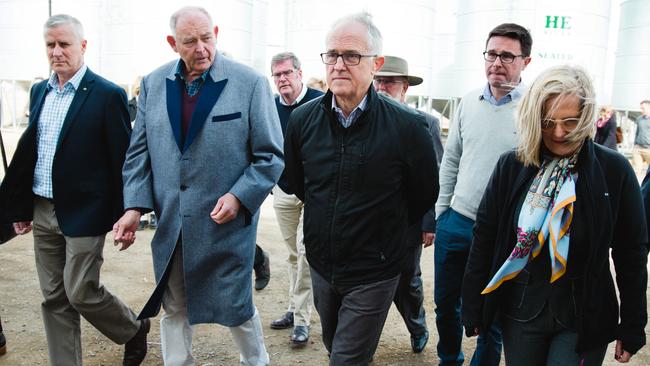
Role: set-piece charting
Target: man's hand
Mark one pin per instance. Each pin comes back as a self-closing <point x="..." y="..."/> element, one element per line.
<point x="428" y="238"/>
<point x="22" y="227"/>
<point x="620" y="354"/>
<point x="226" y="209"/>
<point x="124" y="229"/>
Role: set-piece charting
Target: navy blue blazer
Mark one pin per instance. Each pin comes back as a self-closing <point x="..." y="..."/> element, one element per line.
<point x="87" y="167"/>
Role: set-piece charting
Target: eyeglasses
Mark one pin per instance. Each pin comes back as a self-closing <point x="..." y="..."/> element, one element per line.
<point x="389" y="81"/>
<point x="568" y="124"/>
<point x="506" y="57"/>
<point x="349" y="59"/>
<point x="286" y="74"/>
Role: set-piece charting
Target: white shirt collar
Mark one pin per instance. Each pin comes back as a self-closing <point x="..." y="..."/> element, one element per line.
<point x="302" y="94"/>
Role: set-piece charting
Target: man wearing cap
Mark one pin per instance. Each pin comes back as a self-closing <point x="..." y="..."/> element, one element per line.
<point x="393" y="80"/>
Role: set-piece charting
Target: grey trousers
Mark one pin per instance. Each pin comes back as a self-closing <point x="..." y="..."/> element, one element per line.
<point x="409" y="297"/>
<point x="352" y="317"/>
<point x="68" y="272"/>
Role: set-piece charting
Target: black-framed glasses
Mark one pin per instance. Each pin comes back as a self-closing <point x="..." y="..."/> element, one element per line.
<point x="349" y="59"/>
<point x="567" y="124"/>
<point x="506" y="57"/>
<point x="280" y="74"/>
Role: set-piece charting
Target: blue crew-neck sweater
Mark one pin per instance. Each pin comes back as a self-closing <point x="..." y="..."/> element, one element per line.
<point x="284" y="111"/>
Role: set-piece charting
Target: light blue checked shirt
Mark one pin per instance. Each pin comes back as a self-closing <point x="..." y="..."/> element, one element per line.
<point x="347" y="122"/>
<point x="55" y="108"/>
<point x="487" y="95"/>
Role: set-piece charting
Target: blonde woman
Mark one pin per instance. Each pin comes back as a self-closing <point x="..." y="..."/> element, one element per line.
<point x="539" y="262"/>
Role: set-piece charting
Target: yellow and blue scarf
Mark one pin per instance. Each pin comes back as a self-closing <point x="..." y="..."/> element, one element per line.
<point x="546" y="214"/>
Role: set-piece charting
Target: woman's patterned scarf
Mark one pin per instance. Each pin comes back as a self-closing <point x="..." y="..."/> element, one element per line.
<point x="546" y="213"/>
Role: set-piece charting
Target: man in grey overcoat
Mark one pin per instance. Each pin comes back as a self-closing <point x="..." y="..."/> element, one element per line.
<point x="204" y="154"/>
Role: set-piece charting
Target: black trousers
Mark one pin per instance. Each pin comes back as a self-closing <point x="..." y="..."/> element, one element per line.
<point x="259" y="256"/>
<point x="409" y="297"/>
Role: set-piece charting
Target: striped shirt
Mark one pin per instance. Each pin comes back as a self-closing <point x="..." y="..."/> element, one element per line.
<point x="49" y="124"/>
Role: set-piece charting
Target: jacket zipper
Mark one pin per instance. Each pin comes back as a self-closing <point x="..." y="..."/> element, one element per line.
<point x="336" y="203"/>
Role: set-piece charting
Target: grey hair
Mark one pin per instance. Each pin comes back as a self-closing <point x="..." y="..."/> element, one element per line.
<point x="63" y="19"/>
<point x="183" y="11"/>
<point x="556" y="81"/>
<point x="375" y="40"/>
<point x="282" y="56"/>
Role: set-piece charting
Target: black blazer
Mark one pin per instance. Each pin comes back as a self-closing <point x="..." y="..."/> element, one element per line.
<point x="87" y="167"/>
<point x="611" y="216"/>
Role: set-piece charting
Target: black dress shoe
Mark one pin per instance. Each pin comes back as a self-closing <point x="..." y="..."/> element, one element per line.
<point x="300" y="335"/>
<point x="263" y="273"/>
<point x="286" y="321"/>
<point x="136" y="348"/>
<point x="419" y="342"/>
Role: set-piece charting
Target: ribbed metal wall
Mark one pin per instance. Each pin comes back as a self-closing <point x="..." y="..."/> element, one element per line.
<point x="406" y="26"/>
<point x="574" y="32"/>
<point x="632" y="70"/>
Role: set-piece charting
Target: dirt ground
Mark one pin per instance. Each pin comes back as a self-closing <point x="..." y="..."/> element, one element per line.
<point x="129" y="275"/>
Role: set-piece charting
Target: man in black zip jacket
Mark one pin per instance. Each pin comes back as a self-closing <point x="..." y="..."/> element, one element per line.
<point x="365" y="168"/>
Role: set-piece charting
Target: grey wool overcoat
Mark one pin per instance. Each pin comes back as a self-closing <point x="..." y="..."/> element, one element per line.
<point x="233" y="144"/>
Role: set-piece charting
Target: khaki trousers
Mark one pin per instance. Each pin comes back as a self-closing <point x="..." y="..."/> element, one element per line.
<point x="68" y="272"/>
<point x="640" y="159"/>
<point x="289" y="213"/>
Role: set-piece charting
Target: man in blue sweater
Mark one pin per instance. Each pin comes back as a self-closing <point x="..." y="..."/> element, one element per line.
<point x="292" y="93"/>
<point x="482" y="129"/>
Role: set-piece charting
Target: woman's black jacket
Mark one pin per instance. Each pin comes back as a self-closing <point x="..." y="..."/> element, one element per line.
<point x="611" y="207"/>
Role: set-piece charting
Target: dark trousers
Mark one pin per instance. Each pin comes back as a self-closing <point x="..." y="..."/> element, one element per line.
<point x="453" y="241"/>
<point x="409" y="297"/>
<point x="352" y="317"/>
<point x="259" y="257"/>
<point x="544" y="341"/>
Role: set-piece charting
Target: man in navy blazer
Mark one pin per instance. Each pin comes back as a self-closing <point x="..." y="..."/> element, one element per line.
<point x="64" y="182"/>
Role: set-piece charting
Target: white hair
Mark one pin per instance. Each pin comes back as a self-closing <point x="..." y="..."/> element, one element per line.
<point x="184" y="11"/>
<point x="375" y="40"/>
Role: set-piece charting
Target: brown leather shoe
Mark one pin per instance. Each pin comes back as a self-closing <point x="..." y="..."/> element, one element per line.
<point x="136" y="348"/>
